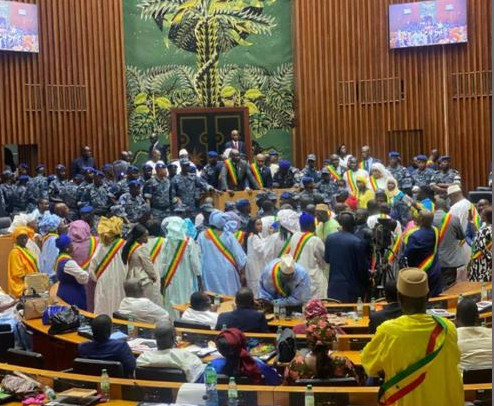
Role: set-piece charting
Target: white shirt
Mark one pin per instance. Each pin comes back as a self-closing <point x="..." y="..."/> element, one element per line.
<point x="72" y="268"/>
<point x="173" y="358"/>
<point x="143" y="309"/>
<point x="461" y="209"/>
<point x="475" y="345"/>
<point x="201" y="317"/>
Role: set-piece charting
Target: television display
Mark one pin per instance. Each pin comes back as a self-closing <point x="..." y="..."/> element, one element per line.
<point x="18" y="27"/>
<point x="427" y="23"/>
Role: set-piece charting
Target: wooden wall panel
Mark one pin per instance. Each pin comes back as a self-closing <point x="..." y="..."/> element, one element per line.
<point x="73" y="92"/>
<point x="342" y="45"/>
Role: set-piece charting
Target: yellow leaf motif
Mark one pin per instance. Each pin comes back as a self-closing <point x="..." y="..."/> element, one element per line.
<point x="253" y="94"/>
<point x="228" y="91"/>
<point x="252" y="108"/>
<point x="141" y="110"/>
<point x="140" y="98"/>
<point x="162" y="103"/>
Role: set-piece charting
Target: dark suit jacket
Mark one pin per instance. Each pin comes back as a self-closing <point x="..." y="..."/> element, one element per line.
<point x="241" y="146"/>
<point x="111" y="350"/>
<point x="248" y="320"/>
<point x="391" y="311"/>
<point x="161" y="148"/>
<point x="244" y="175"/>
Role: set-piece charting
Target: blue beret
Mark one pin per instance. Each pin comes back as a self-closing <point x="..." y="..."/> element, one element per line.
<point x="169" y="166"/>
<point x="421" y="158"/>
<point x="23" y="165"/>
<point x="242" y="203"/>
<point x="327" y="161"/>
<point x="63" y="242"/>
<point x="147" y="167"/>
<point x="88" y="169"/>
<point x="179" y="209"/>
<point x="99" y="173"/>
<point x="132" y="169"/>
<point x="39" y="166"/>
<point x="184" y="161"/>
<point x="60" y="167"/>
<point x="135" y="182"/>
<point x="212" y="154"/>
<point x="160" y="166"/>
<point x="286" y="195"/>
<point x="78" y="176"/>
<point x="285" y="164"/>
<point x="107" y="167"/>
<point x="51" y="178"/>
<point x="86" y="209"/>
<point x="273" y="152"/>
<point x="445" y="158"/>
<point x="23" y="178"/>
<point x="394" y="154"/>
<point x="307" y="179"/>
<point x="306" y="220"/>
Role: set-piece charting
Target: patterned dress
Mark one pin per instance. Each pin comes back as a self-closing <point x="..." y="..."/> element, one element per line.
<point x="480" y="266"/>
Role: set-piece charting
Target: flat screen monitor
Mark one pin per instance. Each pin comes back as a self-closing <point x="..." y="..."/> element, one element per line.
<point x="18" y="27"/>
<point x="427" y="23"/>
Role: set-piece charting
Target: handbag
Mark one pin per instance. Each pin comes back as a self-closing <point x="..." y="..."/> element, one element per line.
<point x="19" y="387"/>
<point x="34" y="305"/>
<point x="66" y="321"/>
<point x="50" y="312"/>
<point x="287" y="346"/>
<point x="40" y="282"/>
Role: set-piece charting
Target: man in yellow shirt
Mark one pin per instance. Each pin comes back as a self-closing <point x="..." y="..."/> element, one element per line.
<point x="417" y="353"/>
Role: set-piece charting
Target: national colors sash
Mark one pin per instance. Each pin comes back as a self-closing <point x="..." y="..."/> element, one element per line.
<point x="476" y="220"/>
<point x="112" y="251"/>
<point x="286" y="247"/>
<point x="45" y="237"/>
<point x="93" y="244"/>
<point x="411" y="377"/>
<point x="276" y="275"/>
<point x="215" y="239"/>
<point x="444" y="226"/>
<point x="232" y="172"/>
<point x="301" y="245"/>
<point x="477" y="254"/>
<point x="60" y="258"/>
<point x="156" y="249"/>
<point x="30" y="259"/>
<point x="257" y="175"/>
<point x="135" y="245"/>
<point x="373" y="183"/>
<point x="175" y="262"/>
<point x="240" y="236"/>
<point x="361" y="165"/>
<point x="427" y="262"/>
<point x="350" y="181"/>
<point x="334" y="173"/>
<point x="403" y="238"/>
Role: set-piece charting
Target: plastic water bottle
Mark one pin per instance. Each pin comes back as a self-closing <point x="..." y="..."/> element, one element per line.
<point x="282" y="312"/>
<point x="309" y="396"/>
<point x="232" y="392"/>
<point x="279" y="331"/>
<point x="211" y="379"/>
<point x="276" y="310"/>
<point x="217" y="300"/>
<point x="460" y="298"/>
<point x="49" y="393"/>
<point x="223" y="327"/>
<point x="483" y="292"/>
<point x="105" y="385"/>
<point x="360" y="308"/>
<point x="131" y="328"/>
<point x="373" y="304"/>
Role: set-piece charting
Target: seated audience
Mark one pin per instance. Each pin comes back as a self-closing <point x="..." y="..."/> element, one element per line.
<point x="391" y="311"/>
<point x="136" y="305"/>
<point x="245" y="317"/>
<point x="313" y="309"/>
<point x="237" y="361"/>
<point x="319" y="363"/>
<point x="475" y="342"/>
<point x="168" y="357"/>
<point x="404" y="342"/>
<point x="106" y="349"/>
<point x="200" y="310"/>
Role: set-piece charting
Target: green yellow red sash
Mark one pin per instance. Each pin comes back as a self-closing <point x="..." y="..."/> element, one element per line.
<point x="427" y="262"/>
<point x="46" y="236"/>
<point x="112" y="251"/>
<point x="135" y="245"/>
<point x="301" y="244"/>
<point x="232" y="172"/>
<point x="276" y="275"/>
<point x="444" y="226"/>
<point x="480" y="253"/>
<point x="177" y="258"/>
<point x="361" y="165"/>
<point x="29" y="257"/>
<point x="60" y="258"/>
<point x="403" y="238"/>
<point x="215" y="239"/>
<point x="373" y="183"/>
<point x="476" y="220"/>
<point x="257" y="175"/>
<point x="93" y="244"/>
<point x="334" y="173"/>
<point x="350" y="181"/>
<point x="411" y="377"/>
<point x="240" y="236"/>
<point x="153" y="254"/>
<point x="286" y="247"/>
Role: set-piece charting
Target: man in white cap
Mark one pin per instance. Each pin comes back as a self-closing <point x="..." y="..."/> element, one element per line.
<point x="182" y="154"/>
<point x="285" y="282"/>
<point x="278" y="243"/>
<point x="417" y="353"/>
<point x="461" y="207"/>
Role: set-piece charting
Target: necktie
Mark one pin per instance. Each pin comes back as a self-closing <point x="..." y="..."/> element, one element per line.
<point x="235" y="145"/>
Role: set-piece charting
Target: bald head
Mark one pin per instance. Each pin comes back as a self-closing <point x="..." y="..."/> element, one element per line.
<point x="244" y="298"/>
<point x="165" y="335"/>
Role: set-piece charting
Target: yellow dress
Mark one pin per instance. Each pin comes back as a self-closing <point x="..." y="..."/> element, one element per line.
<point x="364" y="198"/>
<point x="21" y="262"/>
<point x="403" y="341"/>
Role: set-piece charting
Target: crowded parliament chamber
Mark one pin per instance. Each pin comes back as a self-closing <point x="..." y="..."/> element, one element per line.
<point x="246" y="202"/>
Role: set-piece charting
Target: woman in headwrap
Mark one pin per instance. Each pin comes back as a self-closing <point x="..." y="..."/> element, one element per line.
<point x="400" y="203"/>
<point x="179" y="266"/>
<point x="135" y="255"/>
<point x="71" y="276"/>
<point x="222" y="258"/>
<point x="278" y="243"/>
<point x="84" y="247"/>
<point x="21" y="261"/>
<point x="237" y="361"/>
<point x="379" y="176"/>
<point x="49" y="227"/>
<point x="319" y="363"/>
<point x="107" y="268"/>
<point x="28" y="220"/>
<point x="255" y="255"/>
<point x="364" y="194"/>
<point x="314" y="308"/>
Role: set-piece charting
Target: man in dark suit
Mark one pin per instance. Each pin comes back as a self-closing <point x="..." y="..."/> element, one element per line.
<point x="391" y="311"/>
<point x="264" y="172"/>
<point x="241" y="178"/>
<point x="235" y="143"/>
<point x="86" y="160"/>
<point x="244" y="317"/>
<point x="155" y="144"/>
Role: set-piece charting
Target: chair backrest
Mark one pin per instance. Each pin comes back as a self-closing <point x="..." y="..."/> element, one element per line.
<point x="23" y="358"/>
<point x="331" y="300"/>
<point x="5" y="328"/>
<point x="327" y="382"/>
<point x="190" y="324"/>
<point x="120" y="316"/>
<point x="161" y="374"/>
<point x="476" y="195"/>
<point x="85" y="366"/>
<point x="7" y="341"/>
<point x="479" y="375"/>
<point x="239" y="380"/>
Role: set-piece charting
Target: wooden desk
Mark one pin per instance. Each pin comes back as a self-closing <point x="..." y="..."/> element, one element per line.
<point x="220" y="200"/>
<point x="361" y="325"/>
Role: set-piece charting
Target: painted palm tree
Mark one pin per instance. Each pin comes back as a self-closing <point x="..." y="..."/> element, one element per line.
<point x="208" y="28"/>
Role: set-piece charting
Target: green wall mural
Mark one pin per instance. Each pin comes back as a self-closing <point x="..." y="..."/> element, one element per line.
<point x="210" y="53"/>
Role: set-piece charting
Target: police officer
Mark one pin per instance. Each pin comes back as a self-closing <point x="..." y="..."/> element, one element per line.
<point x="187" y="186"/>
<point x="445" y="176"/>
<point x="7" y="189"/>
<point x="98" y="195"/>
<point x="284" y="178"/>
<point x="310" y="168"/>
<point x="58" y="184"/>
<point x="327" y="187"/>
<point x="211" y="172"/>
<point x="37" y="187"/>
<point x="157" y="192"/>
<point x="133" y="202"/>
<point x="422" y="175"/>
<point x="88" y="173"/>
<point x="399" y="172"/>
<point x="20" y="195"/>
<point x="122" y="186"/>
